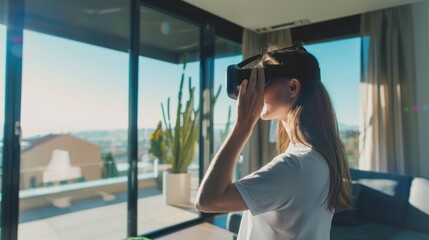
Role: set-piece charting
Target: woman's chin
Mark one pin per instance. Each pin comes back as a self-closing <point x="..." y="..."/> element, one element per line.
<point x="266" y="116"/>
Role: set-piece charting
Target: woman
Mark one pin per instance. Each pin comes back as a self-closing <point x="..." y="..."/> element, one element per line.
<point x="296" y="194"/>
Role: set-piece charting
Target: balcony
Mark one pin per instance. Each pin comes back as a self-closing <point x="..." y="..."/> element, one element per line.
<point x="97" y="209"/>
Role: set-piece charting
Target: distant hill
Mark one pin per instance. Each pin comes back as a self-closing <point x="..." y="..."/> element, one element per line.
<point x="344" y="127"/>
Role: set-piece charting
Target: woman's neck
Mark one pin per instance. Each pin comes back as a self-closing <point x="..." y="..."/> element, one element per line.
<point x="292" y="137"/>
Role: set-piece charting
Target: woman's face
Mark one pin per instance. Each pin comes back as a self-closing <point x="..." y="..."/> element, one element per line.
<point x="279" y="96"/>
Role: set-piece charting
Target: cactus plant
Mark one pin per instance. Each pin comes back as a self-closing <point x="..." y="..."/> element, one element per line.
<point x="224" y="133"/>
<point x="183" y="137"/>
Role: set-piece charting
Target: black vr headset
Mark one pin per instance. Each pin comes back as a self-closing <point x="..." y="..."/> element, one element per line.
<point x="235" y="74"/>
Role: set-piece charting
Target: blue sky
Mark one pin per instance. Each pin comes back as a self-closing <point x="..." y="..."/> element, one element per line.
<point x="340" y="72"/>
<point x="70" y="86"/>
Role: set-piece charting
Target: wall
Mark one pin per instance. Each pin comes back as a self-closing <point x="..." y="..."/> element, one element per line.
<point x="421" y="36"/>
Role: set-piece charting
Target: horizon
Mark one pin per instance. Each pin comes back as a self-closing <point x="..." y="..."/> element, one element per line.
<point x="348" y="127"/>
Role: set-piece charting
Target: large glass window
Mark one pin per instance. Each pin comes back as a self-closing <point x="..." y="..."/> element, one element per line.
<point x="168" y="149"/>
<point x="73" y="176"/>
<point x="340" y="68"/>
<point x="74" y="118"/>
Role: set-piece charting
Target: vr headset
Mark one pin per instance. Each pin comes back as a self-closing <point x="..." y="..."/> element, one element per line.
<point x="235" y="74"/>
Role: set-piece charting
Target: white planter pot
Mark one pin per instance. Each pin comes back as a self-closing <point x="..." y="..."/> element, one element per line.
<point x="176" y="188"/>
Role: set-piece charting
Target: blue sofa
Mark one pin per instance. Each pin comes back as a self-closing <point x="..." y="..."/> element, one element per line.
<point x="384" y="206"/>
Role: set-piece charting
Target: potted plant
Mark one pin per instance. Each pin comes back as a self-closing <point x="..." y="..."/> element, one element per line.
<point x="181" y="142"/>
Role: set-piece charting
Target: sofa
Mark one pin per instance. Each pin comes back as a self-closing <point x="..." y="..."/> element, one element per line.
<point x="384" y="206"/>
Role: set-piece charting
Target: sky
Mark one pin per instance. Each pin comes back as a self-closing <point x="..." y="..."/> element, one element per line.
<point x="70" y="86"/>
<point x="340" y="72"/>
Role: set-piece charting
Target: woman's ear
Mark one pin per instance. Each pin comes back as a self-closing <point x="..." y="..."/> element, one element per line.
<point x="295" y="87"/>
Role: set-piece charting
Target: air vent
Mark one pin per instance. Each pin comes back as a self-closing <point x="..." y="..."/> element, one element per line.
<point x="102" y="11"/>
<point x="282" y="26"/>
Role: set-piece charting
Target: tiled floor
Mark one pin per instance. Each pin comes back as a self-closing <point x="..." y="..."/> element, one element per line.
<point x="107" y="222"/>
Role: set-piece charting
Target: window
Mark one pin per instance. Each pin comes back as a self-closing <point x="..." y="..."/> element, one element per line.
<point x="74" y="116"/>
<point x="74" y="121"/>
<point x="167" y="44"/>
<point x="340" y="71"/>
<point x="225" y="110"/>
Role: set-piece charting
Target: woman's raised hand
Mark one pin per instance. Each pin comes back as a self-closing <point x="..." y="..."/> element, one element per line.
<point x="250" y="99"/>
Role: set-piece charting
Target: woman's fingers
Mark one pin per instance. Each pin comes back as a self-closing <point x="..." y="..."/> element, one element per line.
<point x="243" y="87"/>
<point x="253" y="79"/>
<point x="256" y="82"/>
<point x="250" y="97"/>
<point x="261" y="80"/>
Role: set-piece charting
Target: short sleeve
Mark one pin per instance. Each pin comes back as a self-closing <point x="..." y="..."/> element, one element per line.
<point x="271" y="187"/>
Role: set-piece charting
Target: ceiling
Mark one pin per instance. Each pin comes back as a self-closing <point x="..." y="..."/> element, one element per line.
<point x="259" y="14"/>
<point x="105" y="23"/>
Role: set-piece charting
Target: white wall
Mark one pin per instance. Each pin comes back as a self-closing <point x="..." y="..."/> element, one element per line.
<point x="421" y="36"/>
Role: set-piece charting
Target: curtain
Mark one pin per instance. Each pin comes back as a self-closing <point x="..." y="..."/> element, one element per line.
<point x="388" y="134"/>
<point x="259" y="150"/>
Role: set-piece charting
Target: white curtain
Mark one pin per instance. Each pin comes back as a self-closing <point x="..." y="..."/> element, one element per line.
<point x="388" y="139"/>
<point x="258" y="150"/>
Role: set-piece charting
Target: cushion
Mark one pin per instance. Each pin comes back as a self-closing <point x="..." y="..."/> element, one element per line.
<point x="348" y="217"/>
<point x="233" y="221"/>
<point x="418" y="209"/>
<point x="364" y="230"/>
<point x="384" y="196"/>
<point x="410" y="235"/>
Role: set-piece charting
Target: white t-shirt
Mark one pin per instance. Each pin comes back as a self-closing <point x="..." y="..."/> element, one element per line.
<point x="285" y="198"/>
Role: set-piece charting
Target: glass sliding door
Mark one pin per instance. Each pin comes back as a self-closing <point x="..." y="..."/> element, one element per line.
<point x="170" y="57"/>
<point x="224" y="115"/>
<point x="73" y="182"/>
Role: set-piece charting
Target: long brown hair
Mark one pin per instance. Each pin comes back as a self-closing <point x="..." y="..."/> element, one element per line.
<point x="312" y="120"/>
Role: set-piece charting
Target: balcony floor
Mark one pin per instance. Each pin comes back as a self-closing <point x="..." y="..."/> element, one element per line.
<point x="106" y="222"/>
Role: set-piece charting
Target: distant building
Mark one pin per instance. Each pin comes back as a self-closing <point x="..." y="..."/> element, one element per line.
<point x="55" y="158"/>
